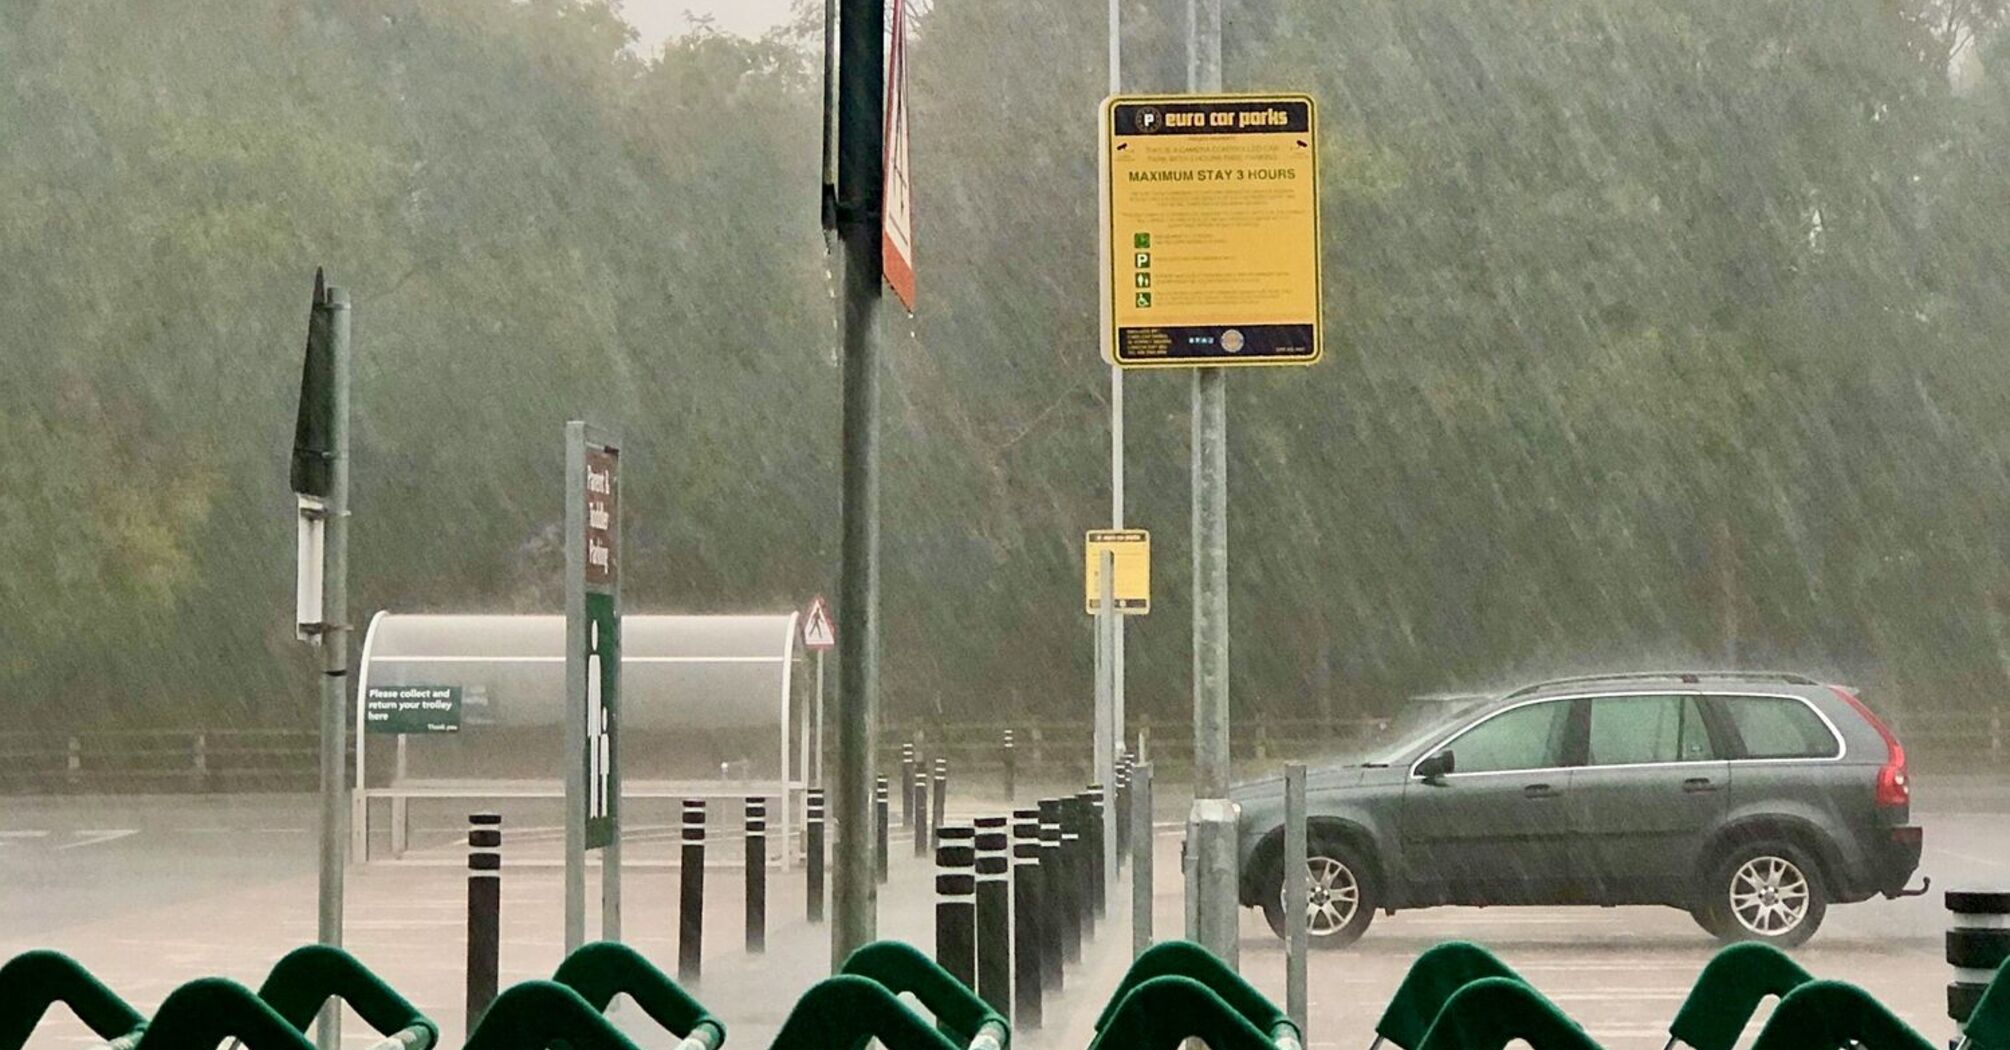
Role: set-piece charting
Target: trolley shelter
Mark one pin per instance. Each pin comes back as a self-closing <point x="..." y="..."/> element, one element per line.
<point x="709" y="710"/>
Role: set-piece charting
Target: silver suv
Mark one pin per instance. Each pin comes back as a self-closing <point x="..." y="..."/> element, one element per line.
<point x="1751" y="800"/>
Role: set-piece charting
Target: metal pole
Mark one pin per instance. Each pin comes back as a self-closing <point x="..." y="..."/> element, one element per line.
<point x="335" y="662"/>
<point x="575" y="695"/>
<point x="1141" y="861"/>
<point x="818" y="762"/>
<point x="691" y="894"/>
<point x="861" y="172"/>
<point x="484" y="912"/>
<point x="1105" y="772"/>
<point x="1213" y="822"/>
<point x="1116" y="643"/>
<point x="1295" y="944"/>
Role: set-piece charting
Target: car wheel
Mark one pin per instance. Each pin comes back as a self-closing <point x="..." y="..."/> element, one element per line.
<point x="1764" y="891"/>
<point x="1341" y="896"/>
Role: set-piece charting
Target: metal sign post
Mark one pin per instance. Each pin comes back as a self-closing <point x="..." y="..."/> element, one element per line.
<point x="1106" y="735"/>
<point x="856" y="213"/>
<point x="1210" y="235"/>
<point x="592" y="675"/>
<point x="320" y="481"/>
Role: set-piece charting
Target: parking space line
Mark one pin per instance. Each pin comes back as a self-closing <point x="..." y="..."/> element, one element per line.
<point x="98" y="837"/>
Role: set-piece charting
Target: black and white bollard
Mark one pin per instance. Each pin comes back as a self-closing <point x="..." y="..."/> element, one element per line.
<point x="940" y="805"/>
<point x="1011" y="768"/>
<point x="1124" y="797"/>
<point x="1094" y="803"/>
<point x="994" y="914"/>
<point x="757" y="875"/>
<point x="1054" y="913"/>
<point x="1978" y="940"/>
<point x="907" y="813"/>
<point x="1074" y="869"/>
<point x="484" y="912"/>
<point x="1028" y="949"/>
<point x="880" y="811"/>
<point x="691" y="893"/>
<point x="924" y="832"/>
<point x="956" y="903"/>
<point x="813" y="848"/>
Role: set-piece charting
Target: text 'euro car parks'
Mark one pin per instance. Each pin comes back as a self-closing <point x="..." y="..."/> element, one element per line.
<point x="1211" y="230"/>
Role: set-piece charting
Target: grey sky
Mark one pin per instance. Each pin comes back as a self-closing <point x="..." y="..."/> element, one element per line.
<point x="657" y="19"/>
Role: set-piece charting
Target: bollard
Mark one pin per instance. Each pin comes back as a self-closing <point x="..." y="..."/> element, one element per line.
<point x="880" y="808"/>
<point x="956" y="903"/>
<point x="1122" y="799"/>
<point x="1028" y="906"/>
<point x="1092" y="828"/>
<point x="1141" y="863"/>
<point x="941" y="801"/>
<point x="757" y="874"/>
<point x="906" y="778"/>
<point x="1011" y="768"/>
<point x="484" y="912"/>
<point x="1295" y="894"/>
<point x="1075" y="893"/>
<point x="917" y="793"/>
<point x="1978" y="942"/>
<point x="813" y="846"/>
<point x="691" y="893"/>
<point x="994" y="915"/>
<point x="1054" y="917"/>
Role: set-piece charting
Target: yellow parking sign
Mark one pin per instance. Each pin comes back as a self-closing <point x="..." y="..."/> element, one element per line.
<point x="1131" y="553"/>
<point x="1212" y="203"/>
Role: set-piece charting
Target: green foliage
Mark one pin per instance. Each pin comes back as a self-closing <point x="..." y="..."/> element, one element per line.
<point x="1656" y="335"/>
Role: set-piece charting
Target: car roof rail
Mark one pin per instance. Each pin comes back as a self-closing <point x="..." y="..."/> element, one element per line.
<point x="1689" y="677"/>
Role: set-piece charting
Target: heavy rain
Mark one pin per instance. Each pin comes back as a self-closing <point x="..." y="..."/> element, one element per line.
<point x="485" y="477"/>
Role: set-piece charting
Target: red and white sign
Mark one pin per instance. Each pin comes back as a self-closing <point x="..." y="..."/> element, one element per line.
<point x="896" y="229"/>
<point x="819" y="633"/>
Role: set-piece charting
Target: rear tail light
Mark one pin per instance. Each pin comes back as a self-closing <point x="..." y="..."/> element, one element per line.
<point x="1894" y="783"/>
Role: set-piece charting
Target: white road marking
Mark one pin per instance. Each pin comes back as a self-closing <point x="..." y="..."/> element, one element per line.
<point x="93" y="838"/>
<point x="26" y="833"/>
<point x="1987" y="862"/>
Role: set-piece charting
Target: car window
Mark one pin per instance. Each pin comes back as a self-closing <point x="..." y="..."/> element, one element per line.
<point x="1778" y="727"/>
<point x="1528" y="737"/>
<point x="1629" y="730"/>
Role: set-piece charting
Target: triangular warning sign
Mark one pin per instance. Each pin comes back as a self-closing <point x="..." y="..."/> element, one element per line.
<point x="818" y="631"/>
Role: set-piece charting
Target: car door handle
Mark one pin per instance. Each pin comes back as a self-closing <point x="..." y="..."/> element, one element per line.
<point x="1540" y="791"/>
<point x="1698" y="785"/>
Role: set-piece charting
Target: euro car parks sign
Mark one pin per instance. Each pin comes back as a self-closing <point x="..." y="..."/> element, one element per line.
<point x="1130" y="553"/>
<point x="1211" y="230"/>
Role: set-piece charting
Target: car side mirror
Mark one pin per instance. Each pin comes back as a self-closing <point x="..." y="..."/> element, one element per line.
<point x="1433" y="769"/>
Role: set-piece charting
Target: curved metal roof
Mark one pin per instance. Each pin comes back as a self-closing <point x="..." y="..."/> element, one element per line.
<point x="678" y="672"/>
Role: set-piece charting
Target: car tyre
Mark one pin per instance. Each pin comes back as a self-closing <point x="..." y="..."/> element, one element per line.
<point x="1341" y="885"/>
<point x="1768" y="891"/>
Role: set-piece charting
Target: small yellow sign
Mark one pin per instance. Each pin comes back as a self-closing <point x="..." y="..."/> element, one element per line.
<point x="1211" y="230"/>
<point x="1131" y="553"/>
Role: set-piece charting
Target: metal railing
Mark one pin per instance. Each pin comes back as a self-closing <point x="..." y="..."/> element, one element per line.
<point x="203" y="760"/>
